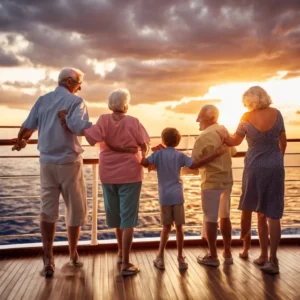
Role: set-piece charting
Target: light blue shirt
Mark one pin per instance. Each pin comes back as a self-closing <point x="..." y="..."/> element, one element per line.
<point x="168" y="163"/>
<point x="54" y="143"/>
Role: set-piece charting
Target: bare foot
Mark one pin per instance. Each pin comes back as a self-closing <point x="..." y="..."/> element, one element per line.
<point x="261" y="260"/>
<point x="227" y="254"/>
<point x="244" y="254"/>
<point x="228" y="260"/>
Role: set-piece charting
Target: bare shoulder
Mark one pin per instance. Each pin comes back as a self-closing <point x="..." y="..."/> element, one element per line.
<point x="246" y="116"/>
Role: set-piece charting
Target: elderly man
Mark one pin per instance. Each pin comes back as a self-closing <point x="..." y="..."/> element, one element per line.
<point x="61" y="168"/>
<point x="216" y="184"/>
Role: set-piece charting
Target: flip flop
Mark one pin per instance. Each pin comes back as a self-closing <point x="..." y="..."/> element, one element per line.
<point x="131" y="270"/>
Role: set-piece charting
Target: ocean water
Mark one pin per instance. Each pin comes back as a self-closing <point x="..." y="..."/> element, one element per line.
<point x="19" y="198"/>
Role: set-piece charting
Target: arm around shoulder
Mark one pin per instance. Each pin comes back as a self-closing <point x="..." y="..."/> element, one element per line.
<point x="209" y="158"/>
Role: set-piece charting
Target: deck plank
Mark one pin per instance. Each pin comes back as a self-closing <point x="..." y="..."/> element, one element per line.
<point x="163" y="284"/>
<point x="50" y="287"/>
<point x="100" y="278"/>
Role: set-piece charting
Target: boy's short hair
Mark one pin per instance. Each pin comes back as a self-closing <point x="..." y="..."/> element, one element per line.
<point x="171" y="137"/>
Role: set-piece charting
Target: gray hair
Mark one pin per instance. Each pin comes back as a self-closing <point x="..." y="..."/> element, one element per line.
<point x="210" y="111"/>
<point x="256" y="98"/>
<point x="70" y="72"/>
<point x="118" y="100"/>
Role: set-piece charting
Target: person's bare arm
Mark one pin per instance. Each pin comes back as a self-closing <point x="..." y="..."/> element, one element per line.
<point x="233" y="140"/>
<point x="282" y="142"/>
<point x="209" y="158"/>
<point x="22" y="139"/>
<point x="145" y="149"/>
<point x="230" y="140"/>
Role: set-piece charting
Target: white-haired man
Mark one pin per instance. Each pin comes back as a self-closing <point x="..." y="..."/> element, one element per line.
<point x="216" y="184"/>
<point x="61" y="168"/>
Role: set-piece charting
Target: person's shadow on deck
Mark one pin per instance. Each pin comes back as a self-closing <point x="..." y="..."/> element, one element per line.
<point x="218" y="284"/>
<point x="67" y="283"/>
<point x="271" y="288"/>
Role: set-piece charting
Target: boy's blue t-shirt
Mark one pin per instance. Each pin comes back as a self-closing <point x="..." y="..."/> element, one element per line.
<point x="168" y="163"/>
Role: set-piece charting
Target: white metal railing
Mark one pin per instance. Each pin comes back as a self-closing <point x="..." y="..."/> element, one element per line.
<point x="95" y="189"/>
<point x="94" y="239"/>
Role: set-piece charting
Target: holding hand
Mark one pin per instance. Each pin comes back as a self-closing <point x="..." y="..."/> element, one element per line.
<point x="221" y="150"/>
<point x="223" y="133"/>
<point x="62" y="116"/>
<point x="19" y="144"/>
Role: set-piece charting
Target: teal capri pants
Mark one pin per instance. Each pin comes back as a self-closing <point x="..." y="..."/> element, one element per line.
<point x="121" y="202"/>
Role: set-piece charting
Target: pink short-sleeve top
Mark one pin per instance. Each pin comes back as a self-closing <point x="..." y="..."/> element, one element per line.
<point x="118" y="167"/>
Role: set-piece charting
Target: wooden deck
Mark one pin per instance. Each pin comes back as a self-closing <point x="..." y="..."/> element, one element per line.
<point x="20" y="278"/>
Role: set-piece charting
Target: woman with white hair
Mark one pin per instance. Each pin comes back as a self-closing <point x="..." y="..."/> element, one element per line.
<point x="263" y="177"/>
<point x="121" y="174"/>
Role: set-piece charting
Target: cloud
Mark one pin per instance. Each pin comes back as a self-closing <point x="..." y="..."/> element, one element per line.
<point x="192" y="107"/>
<point x="161" y="50"/>
<point x="14" y="98"/>
<point x="8" y="59"/>
<point x="292" y="75"/>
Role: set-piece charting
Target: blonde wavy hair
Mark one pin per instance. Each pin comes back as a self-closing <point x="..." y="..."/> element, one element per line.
<point x="256" y="98"/>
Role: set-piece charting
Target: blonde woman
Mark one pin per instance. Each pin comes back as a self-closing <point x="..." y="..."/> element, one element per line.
<point x="263" y="177"/>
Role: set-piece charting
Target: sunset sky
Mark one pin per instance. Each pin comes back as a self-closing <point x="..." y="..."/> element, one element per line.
<point x="173" y="56"/>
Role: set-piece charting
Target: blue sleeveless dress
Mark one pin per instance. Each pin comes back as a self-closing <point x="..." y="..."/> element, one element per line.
<point x="263" y="176"/>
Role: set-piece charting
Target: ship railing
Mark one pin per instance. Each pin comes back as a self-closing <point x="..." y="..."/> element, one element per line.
<point x="95" y="193"/>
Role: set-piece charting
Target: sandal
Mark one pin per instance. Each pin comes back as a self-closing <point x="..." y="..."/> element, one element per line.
<point x="131" y="270"/>
<point x="75" y="262"/>
<point x="271" y="268"/>
<point x="208" y="261"/>
<point x="159" y="263"/>
<point x="49" y="268"/>
<point x="182" y="264"/>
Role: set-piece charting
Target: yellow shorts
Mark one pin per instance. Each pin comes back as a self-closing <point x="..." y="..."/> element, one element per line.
<point x="67" y="180"/>
<point x="172" y="214"/>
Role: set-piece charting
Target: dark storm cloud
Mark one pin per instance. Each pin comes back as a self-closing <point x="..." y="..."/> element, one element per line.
<point x="198" y="43"/>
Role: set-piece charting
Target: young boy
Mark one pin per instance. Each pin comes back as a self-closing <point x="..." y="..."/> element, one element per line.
<point x="168" y="162"/>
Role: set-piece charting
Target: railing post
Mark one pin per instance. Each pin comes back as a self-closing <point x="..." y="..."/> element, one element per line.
<point x="187" y="144"/>
<point x="94" y="240"/>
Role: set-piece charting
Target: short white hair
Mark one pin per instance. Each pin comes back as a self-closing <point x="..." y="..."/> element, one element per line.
<point x="210" y="111"/>
<point x="70" y="72"/>
<point x="118" y="99"/>
<point x="256" y="98"/>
